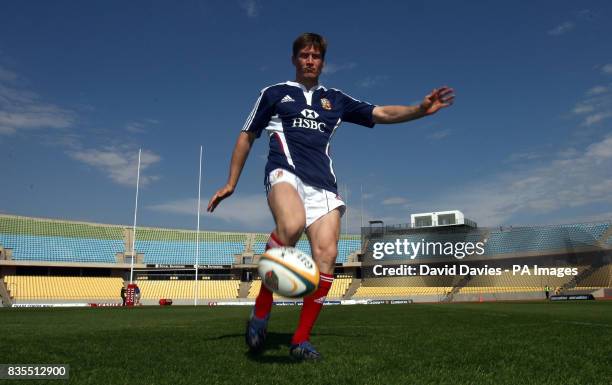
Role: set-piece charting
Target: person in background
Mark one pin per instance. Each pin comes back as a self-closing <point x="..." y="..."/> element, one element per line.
<point x="123" y="295"/>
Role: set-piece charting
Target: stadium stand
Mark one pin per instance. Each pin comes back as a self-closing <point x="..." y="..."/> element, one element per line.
<point x="544" y="238"/>
<point x="82" y="246"/>
<point x="500" y="241"/>
<point x="600" y="277"/>
<point x="434" y="237"/>
<point x="63" y="288"/>
<point x="181" y="289"/>
<point x="347" y="245"/>
<point x="338" y="289"/>
<point x="56" y="241"/>
<point x="404" y="287"/>
<point x="507" y="282"/>
<point x="399" y="291"/>
<point x="166" y="246"/>
<point x="254" y="289"/>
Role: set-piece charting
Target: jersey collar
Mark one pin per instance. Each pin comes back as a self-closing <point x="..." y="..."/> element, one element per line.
<point x="300" y="85"/>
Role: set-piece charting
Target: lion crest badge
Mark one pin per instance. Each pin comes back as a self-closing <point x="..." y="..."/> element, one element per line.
<point x="326" y="104"/>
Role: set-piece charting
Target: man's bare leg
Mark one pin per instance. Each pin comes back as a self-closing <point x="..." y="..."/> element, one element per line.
<point x="290" y="218"/>
<point x="288" y="212"/>
<point x="289" y="215"/>
<point x="323" y="234"/>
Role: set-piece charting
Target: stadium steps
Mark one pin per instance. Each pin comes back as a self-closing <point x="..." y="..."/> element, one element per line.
<point x="593" y="276"/>
<point x="339" y="287"/>
<point x="4" y="294"/>
<point x="583" y="275"/>
<point x="606" y="235"/>
<point x="353" y="257"/>
<point x="249" y="244"/>
<point x="461" y="284"/>
<point x="243" y="290"/>
<point x="6" y="253"/>
<point x="352" y="289"/>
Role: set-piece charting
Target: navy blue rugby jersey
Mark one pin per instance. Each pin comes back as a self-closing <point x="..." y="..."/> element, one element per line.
<point x="301" y="124"/>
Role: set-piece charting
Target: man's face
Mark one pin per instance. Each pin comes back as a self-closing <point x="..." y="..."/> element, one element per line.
<point x="308" y="63"/>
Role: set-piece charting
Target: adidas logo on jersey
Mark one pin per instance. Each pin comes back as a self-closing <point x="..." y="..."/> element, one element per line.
<point x="286" y="99"/>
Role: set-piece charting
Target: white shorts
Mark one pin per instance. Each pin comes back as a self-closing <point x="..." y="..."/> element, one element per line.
<point x="317" y="201"/>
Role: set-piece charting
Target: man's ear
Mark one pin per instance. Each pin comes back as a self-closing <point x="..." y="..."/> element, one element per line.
<point x="293" y="61"/>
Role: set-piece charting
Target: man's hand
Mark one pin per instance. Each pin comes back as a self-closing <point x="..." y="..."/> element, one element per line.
<point x="220" y="195"/>
<point x="437" y="99"/>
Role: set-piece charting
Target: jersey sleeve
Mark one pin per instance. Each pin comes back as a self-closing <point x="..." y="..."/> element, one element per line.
<point x="356" y="111"/>
<point x="260" y="115"/>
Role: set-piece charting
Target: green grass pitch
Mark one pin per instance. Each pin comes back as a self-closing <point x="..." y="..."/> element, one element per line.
<point x="480" y="343"/>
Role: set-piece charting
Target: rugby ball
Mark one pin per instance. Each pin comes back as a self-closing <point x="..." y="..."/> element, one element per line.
<point x="288" y="272"/>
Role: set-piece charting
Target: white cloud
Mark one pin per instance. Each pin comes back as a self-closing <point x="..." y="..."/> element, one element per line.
<point x="139" y="127"/>
<point x="523" y="156"/>
<point x="23" y="110"/>
<point x="368" y="195"/>
<point x="332" y="68"/>
<point x="184" y="206"/>
<point x="607" y="68"/>
<point x="561" y="29"/>
<point x="251" y="7"/>
<point x="6" y="130"/>
<point x="587" y="15"/>
<point x="7" y="75"/>
<point x="439" y="134"/>
<point x="597" y="107"/>
<point x="607" y="216"/>
<point x="120" y="164"/>
<point x="601" y="150"/>
<point x="597" y="118"/>
<point x="571" y="179"/>
<point x="372" y="81"/>
<point x="583" y="109"/>
<point x="598" y="90"/>
<point x="135" y="128"/>
<point x="249" y="210"/>
<point x="394" y="201"/>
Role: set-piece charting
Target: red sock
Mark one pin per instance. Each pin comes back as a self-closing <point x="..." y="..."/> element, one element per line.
<point x="263" y="303"/>
<point x="311" y="309"/>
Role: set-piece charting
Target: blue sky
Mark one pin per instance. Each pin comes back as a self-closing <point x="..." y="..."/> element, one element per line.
<point x="84" y="85"/>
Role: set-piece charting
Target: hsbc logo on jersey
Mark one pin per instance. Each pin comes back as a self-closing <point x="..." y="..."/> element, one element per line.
<point x="309" y="114"/>
<point x="308" y="121"/>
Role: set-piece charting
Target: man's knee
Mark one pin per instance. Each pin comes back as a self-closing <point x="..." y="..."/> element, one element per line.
<point x="326" y="251"/>
<point x="290" y="231"/>
<point x="325" y="256"/>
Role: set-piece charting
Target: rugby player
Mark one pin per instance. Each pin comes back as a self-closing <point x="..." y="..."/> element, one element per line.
<point x="300" y="118"/>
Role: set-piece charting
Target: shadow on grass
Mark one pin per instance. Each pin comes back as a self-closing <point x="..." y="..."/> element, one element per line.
<point x="277" y="347"/>
<point x="274" y="342"/>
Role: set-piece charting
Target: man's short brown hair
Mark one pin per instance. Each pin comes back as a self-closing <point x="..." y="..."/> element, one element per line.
<point x="310" y="39"/>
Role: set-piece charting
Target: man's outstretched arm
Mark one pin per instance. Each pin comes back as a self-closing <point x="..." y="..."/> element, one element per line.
<point x="239" y="157"/>
<point x="432" y="103"/>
